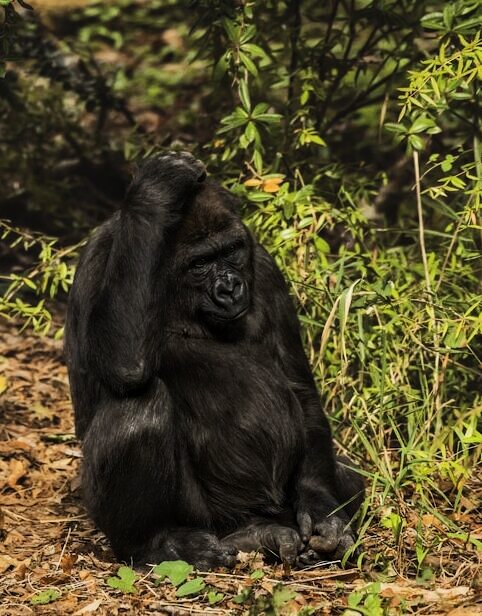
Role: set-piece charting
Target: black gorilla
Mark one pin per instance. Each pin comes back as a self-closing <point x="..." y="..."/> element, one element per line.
<point x="203" y="430"/>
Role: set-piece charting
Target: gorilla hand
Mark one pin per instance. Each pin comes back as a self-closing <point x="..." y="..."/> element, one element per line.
<point x="162" y="185"/>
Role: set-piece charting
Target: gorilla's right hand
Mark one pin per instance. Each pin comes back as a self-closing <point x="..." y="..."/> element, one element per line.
<point x="162" y="185"/>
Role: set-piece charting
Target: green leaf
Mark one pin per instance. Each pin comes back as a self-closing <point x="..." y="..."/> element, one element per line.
<point x="447" y="163"/>
<point x="281" y="595"/>
<point x="416" y="142"/>
<point x="395" y="128"/>
<point x="248" y="63"/>
<point x="257" y="574"/>
<point x="231" y="29"/>
<point x="321" y="245"/>
<point x="268" y="117"/>
<point x="45" y="596"/>
<point x="176" y="570"/>
<point x="422" y="124"/>
<point x="243" y="596"/>
<point x="124" y="580"/>
<point x="221" y="67"/>
<point x="244" y="95"/>
<point x="215" y="597"/>
<point x="193" y="587"/>
<point x="255" y="50"/>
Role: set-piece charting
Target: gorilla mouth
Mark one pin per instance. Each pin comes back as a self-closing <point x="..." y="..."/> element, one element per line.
<point x="226" y="318"/>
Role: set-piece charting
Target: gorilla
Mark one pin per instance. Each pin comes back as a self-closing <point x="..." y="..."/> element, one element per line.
<point x="203" y="431"/>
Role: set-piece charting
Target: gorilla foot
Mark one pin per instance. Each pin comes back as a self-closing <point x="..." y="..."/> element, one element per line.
<point x="199" y="548"/>
<point x="273" y="539"/>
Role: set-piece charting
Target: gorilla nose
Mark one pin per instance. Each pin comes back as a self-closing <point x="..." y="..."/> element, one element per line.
<point x="228" y="291"/>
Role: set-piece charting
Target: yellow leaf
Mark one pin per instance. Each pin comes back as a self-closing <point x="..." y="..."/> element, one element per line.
<point x="253" y="182"/>
<point x="3" y="384"/>
<point x="271" y="186"/>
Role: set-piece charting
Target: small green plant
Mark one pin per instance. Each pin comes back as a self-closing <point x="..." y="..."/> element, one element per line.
<point x="124" y="580"/>
<point x="366" y="601"/>
<point x="178" y="572"/>
<point x="45" y="596"/>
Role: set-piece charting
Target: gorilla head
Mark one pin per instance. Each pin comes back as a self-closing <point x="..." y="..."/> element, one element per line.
<point x="212" y="265"/>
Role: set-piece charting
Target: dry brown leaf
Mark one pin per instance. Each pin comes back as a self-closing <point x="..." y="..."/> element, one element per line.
<point x="430" y="596"/>
<point x="18" y="468"/>
<point x="271" y="186"/>
<point x="471" y="610"/>
<point x="42" y="412"/>
<point x="429" y="519"/>
<point x="89" y="608"/>
<point x="6" y="562"/>
<point x="67" y="562"/>
<point x="253" y="182"/>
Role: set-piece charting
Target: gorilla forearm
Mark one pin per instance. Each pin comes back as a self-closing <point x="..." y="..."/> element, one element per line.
<point x="121" y="301"/>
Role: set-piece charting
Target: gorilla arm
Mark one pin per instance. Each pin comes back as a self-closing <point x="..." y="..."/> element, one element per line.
<point x="120" y="283"/>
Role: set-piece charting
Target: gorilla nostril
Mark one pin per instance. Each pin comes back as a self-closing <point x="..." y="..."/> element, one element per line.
<point x="238" y="291"/>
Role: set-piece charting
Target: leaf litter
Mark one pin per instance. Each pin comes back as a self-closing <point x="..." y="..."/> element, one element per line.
<point x="54" y="561"/>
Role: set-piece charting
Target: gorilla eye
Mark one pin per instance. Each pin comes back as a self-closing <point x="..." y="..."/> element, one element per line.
<point x="234" y="247"/>
<point x="198" y="263"/>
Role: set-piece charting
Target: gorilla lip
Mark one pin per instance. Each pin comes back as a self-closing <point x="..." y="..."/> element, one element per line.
<point x="236" y="317"/>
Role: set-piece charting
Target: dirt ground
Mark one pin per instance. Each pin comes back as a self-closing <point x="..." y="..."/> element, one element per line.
<point x="49" y="544"/>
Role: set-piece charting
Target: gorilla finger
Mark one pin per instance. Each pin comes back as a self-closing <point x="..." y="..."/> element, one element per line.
<point x="305" y="524"/>
<point x="289" y="550"/>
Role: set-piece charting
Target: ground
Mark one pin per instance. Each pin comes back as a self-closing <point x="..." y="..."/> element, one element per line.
<point x="50" y="545"/>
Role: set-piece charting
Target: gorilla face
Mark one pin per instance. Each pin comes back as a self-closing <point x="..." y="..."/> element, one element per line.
<point x="213" y="262"/>
<point x="218" y="276"/>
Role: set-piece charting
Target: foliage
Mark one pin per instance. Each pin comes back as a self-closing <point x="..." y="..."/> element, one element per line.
<point x="45" y="596"/>
<point x="124" y="580"/>
<point x="351" y="132"/>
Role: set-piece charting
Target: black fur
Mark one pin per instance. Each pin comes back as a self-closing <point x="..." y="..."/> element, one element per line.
<point x="202" y="426"/>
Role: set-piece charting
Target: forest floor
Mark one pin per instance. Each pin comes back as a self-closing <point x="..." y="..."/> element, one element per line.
<point x="53" y="561"/>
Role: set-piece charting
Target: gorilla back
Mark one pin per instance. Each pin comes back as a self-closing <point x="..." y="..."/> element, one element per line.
<point x="203" y="430"/>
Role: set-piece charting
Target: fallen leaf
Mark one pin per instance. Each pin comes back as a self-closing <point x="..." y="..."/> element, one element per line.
<point x="472" y="610"/>
<point x="6" y="562"/>
<point x="89" y="608"/>
<point x="18" y="469"/>
<point x="67" y="562"/>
